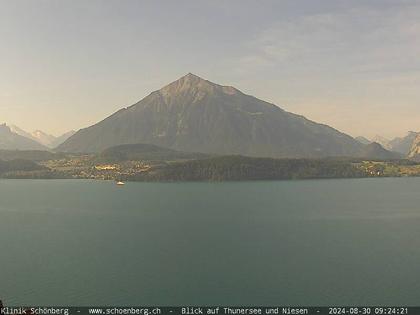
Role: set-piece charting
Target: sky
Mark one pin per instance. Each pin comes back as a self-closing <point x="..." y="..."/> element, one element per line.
<point x="353" y="65"/>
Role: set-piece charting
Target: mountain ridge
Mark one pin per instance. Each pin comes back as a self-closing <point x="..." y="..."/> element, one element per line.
<point x="13" y="141"/>
<point x="403" y="144"/>
<point x="42" y="137"/>
<point x="195" y="115"/>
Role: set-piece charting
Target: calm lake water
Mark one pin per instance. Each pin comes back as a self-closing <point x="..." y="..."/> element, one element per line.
<point x="318" y="242"/>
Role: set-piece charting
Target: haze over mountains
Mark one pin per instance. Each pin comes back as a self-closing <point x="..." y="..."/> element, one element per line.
<point x="41" y="137"/>
<point x="13" y="141"/>
<point x="195" y="115"/>
<point x="404" y="144"/>
<point x="382" y="141"/>
<point x="401" y="145"/>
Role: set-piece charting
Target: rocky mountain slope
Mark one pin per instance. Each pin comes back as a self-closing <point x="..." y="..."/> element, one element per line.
<point x="400" y="145"/>
<point x="384" y="142"/>
<point x="363" y="140"/>
<point x="375" y="151"/>
<point x="415" y="149"/>
<point x="403" y="144"/>
<point x="195" y="115"/>
<point x="12" y="141"/>
<point x="42" y="137"/>
<point x="60" y="139"/>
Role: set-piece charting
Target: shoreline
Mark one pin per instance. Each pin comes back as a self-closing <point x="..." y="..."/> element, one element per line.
<point x="206" y="181"/>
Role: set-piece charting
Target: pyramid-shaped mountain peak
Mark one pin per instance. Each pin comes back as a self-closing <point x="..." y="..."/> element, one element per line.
<point x="191" y="83"/>
<point x="188" y="81"/>
<point x="195" y="115"/>
<point x="191" y="76"/>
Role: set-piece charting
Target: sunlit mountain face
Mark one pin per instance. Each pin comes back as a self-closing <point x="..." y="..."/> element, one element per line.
<point x="193" y="114"/>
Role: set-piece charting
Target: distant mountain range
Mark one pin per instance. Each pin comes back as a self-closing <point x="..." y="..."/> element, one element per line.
<point x="404" y="144"/>
<point x="12" y="141"/>
<point x="195" y="115"/>
<point x="384" y="142"/>
<point x="41" y="137"/>
<point x="60" y="139"/>
<point x="401" y="145"/>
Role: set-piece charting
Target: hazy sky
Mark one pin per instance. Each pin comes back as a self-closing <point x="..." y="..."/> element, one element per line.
<point x="354" y="65"/>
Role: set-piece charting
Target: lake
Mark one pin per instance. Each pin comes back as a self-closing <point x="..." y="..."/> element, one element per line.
<point x="314" y="242"/>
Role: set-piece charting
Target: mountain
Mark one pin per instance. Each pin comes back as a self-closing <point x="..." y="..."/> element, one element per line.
<point x="403" y="144"/>
<point x="12" y="141"/>
<point x="150" y="152"/>
<point x="21" y="132"/>
<point x="60" y="139"/>
<point x="38" y="135"/>
<point x="384" y="142"/>
<point x="375" y="151"/>
<point x="415" y="149"/>
<point x="195" y="115"/>
<point x="363" y="140"/>
<point x="43" y="137"/>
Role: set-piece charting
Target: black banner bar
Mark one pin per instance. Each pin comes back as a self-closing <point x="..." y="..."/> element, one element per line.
<point x="210" y="310"/>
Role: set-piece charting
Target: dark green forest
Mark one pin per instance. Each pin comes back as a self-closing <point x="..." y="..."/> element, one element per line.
<point x="235" y="168"/>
